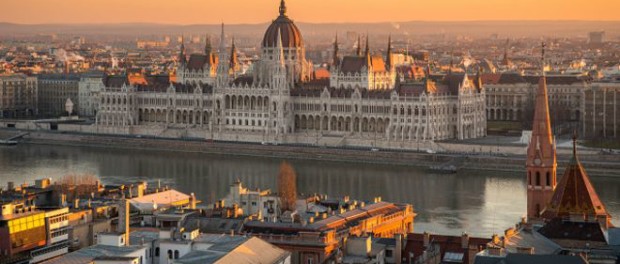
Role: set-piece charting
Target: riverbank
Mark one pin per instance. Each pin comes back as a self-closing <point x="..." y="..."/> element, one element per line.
<point x="596" y="165"/>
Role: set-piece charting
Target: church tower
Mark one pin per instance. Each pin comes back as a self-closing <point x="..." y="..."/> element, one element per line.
<point x="541" y="161"/>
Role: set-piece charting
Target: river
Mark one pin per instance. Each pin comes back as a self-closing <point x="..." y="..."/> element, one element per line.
<point x="478" y="202"/>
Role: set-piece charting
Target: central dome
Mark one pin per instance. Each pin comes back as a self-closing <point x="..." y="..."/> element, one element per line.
<point x="291" y="36"/>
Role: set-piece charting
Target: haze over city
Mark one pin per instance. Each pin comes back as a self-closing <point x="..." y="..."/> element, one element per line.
<point x="316" y="11"/>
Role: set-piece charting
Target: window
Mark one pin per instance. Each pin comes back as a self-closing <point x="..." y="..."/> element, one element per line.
<point x="537" y="178"/>
<point x="388" y="253"/>
<point x="169" y="254"/>
<point x="548" y="179"/>
<point x="176" y="254"/>
<point x="157" y="251"/>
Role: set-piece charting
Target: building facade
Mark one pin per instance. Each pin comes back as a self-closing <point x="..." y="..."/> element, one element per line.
<point x="18" y="96"/>
<point x="53" y="92"/>
<point x="280" y="102"/>
<point x="89" y="88"/>
<point x="510" y="96"/>
<point x="601" y="110"/>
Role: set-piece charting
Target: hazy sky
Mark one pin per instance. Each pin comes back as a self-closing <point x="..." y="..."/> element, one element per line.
<point x="257" y="11"/>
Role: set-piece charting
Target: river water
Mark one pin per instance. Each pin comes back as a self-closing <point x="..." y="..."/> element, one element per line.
<point x="478" y="202"/>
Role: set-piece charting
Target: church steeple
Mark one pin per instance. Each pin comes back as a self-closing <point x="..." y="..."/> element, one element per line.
<point x="575" y="195"/>
<point x="541" y="153"/>
<point x="222" y="66"/>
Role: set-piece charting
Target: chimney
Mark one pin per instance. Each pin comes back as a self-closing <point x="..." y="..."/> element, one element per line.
<point x="63" y="200"/>
<point x="399" y="248"/>
<point x="427" y="239"/>
<point x="192" y="201"/>
<point x="464" y="240"/>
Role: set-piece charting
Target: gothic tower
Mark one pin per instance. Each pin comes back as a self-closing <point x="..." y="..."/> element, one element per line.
<point x="541" y="154"/>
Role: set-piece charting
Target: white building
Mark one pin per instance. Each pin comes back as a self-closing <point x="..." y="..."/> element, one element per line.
<point x="281" y="103"/>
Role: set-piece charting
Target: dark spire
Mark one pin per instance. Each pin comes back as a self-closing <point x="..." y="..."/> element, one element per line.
<point x="574" y="159"/>
<point x="388" y="60"/>
<point x="367" y="45"/>
<point x="182" y="56"/>
<point x="233" y="56"/>
<point x="359" y="46"/>
<point x="208" y="48"/>
<point x="335" y="59"/>
<point x="282" y="8"/>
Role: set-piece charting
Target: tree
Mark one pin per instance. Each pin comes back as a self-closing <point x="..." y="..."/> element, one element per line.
<point x="287" y="187"/>
<point x="77" y="186"/>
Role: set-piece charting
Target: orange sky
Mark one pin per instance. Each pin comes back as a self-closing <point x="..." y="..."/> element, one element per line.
<point x="256" y="11"/>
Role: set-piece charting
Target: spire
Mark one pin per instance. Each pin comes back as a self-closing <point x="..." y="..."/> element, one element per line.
<point x="389" y="53"/>
<point x="575" y="194"/>
<point x="282" y="8"/>
<point x="208" y="48"/>
<point x="182" y="56"/>
<point x="367" y="46"/>
<point x="542" y="59"/>
<point x="359" y="46"/>
<point x="335" y="59"/>
<point x="280" y="55"/>
<point x="234" y="61"/>
<point x="574" y="146"/>
<point x="222" y="48"/>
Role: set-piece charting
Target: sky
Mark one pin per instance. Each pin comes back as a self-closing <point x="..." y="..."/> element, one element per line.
<point x="316" y="11"/>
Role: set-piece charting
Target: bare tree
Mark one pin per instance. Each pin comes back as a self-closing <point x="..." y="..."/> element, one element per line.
<point x="287" y="187"/>
<point x="77" y="186"/>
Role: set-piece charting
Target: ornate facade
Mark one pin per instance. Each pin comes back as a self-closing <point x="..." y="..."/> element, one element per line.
<point x="279" y="102"/>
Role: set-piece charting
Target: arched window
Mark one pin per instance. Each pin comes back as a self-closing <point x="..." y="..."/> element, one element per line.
<point x="537" y="178"/>
<point x="176" y="254"/>
<point x="548" y="179"/>
<point x="169" y="254"/>
<point x="157" y="251"/>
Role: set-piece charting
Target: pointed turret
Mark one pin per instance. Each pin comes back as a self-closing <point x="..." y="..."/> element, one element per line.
<point x="388" y="59"/>
<point x="575" y="195"/>
<point x="541" y="154"/>
<point x="208" y="48"/>
<point x="222" y="66"/>
<point x="233" y="63"/>
<point x="280" y="49"/>
<point x="335" y="58"/>
<point x="182" y="55"/>
<point x="367" y="53"/>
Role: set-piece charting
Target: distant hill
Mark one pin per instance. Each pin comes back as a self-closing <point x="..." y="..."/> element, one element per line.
<point x="467" y="28"/>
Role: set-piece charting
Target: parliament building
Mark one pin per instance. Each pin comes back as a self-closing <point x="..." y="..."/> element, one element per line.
<point x="364" y="103"/>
